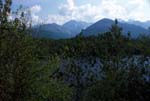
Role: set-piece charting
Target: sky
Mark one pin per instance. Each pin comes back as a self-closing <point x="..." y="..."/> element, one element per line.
<point x="61" y="11"/>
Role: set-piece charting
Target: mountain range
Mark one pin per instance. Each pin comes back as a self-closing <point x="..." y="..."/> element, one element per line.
<point x="145" y="24"/>
<point x="55" y="31"/>
<point x="75" y="27"/>
<point x="72" y="28"/>
<point x="105" y="24"/>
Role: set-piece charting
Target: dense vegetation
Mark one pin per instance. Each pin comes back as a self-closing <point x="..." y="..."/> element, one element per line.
<point x="30" y="68"/>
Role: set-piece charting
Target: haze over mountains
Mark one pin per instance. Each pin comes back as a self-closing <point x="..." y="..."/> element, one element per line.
<point x="73" y="28"/>
<point x="145" y="24"/>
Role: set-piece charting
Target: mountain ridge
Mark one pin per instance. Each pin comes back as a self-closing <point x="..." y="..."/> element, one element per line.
<point x="104" y="25"/>
<point x="72" y="28"/>
<point x="55" y="31"/>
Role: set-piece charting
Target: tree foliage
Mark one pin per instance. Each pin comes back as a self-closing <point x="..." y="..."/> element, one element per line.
<point x="20" y="64"/>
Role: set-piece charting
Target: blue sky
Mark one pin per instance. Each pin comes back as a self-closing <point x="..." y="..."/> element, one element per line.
<point x="61" y="11"/>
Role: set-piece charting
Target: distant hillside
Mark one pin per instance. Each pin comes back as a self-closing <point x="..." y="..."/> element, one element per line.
<point x="105" y="24"/>
<point x="145" y="24"/>
<point x="75" y="27"/>
<point x="55" y="31"/>
<point x="72" y="28"/>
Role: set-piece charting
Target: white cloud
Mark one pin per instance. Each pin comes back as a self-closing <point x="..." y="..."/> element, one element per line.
<point x="122" y="9"/>
<point x="35" y="8"/>
<point x="34" y="13"/>
<point x="71" y="4"/>
<point x="57" y="19"/>
<point x="35" y="18"/>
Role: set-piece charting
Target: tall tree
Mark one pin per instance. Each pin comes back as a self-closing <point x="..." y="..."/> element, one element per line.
<point x="16" y="56"/>
<point x="21" y="68"/>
